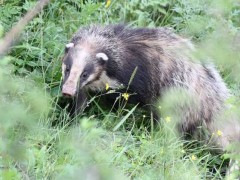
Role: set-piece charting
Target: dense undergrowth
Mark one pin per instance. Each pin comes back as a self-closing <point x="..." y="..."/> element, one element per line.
<point x="38" y="139"/>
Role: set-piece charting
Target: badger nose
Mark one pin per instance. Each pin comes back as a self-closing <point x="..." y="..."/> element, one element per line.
<point x="68" y="92"/>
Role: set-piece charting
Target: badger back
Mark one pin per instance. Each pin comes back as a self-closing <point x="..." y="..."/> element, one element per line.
<point x="121" y="51"/>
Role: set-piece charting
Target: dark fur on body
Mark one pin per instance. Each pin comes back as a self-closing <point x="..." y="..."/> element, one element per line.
<point x="163" y="62"/>
<point x="128" y="49"/>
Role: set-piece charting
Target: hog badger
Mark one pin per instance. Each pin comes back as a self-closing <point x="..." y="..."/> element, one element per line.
<point x="98" y="55"/>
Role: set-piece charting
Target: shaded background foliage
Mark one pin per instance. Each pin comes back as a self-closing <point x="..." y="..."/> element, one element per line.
<point x="29" y="86"/>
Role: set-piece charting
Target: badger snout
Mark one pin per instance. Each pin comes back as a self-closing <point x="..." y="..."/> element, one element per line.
<point x="68" y="91"/>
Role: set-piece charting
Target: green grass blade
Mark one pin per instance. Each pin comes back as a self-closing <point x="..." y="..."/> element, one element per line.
<point x="125" y="118"/>
<point x="132" y="76"/>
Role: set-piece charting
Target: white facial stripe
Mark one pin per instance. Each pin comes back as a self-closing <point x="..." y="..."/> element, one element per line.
<point x="63" y="70"/>
<point x="79" y="62"/>
<point x="69" y="45"/>
<point x="100" y="85"/>
<point x="90" y="78"/>
<point x="73" y="79"/>
<point x="102" y="55"/>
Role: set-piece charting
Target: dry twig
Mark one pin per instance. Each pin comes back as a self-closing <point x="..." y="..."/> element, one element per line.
<point x="14" y="33"/>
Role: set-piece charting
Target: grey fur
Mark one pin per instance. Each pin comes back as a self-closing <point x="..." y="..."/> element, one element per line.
<point x="164" y="61"/>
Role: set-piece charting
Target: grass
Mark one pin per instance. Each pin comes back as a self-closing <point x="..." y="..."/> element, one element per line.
<point x="39" y="139"/>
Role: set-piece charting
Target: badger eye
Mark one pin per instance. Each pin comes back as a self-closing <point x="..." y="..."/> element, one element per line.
<point x="84" y="75"/>
<point x="66" y="50"/>
<point x="67" y="68"/>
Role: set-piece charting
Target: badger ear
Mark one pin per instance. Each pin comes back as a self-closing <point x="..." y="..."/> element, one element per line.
<point x="69" y="45"/>
<point x="102" y="56"/>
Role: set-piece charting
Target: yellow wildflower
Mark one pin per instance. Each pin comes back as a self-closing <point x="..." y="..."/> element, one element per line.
<point x="219" y="133"/>
<point x="107" y="86"/>
<point x="168" y="119"/>
<point x="125" y="96"/>
<point x="108" y="3"/>
<point x="144" y="116"/>
<point x="193" y="157"/>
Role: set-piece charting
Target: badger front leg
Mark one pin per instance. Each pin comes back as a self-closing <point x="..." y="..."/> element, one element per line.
<point x="80" y="102"/>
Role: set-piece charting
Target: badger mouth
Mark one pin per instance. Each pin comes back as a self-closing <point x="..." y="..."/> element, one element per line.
<point x="68" y="92"/>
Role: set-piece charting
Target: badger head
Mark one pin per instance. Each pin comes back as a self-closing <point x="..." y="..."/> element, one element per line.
<point x="83" y="68"/>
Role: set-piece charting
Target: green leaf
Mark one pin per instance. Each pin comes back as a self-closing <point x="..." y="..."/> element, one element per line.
<point x="32" y="64"/>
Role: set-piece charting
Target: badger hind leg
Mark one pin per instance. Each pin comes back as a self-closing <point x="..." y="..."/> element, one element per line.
<point x="223" y="133"/>
<point x="226" y="136"/>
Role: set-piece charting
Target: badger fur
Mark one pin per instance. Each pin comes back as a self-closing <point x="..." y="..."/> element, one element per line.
<point x="98" y="55"/>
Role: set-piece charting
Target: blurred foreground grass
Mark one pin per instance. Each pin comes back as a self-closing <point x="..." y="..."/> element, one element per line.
<point x="91" y="147"/>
